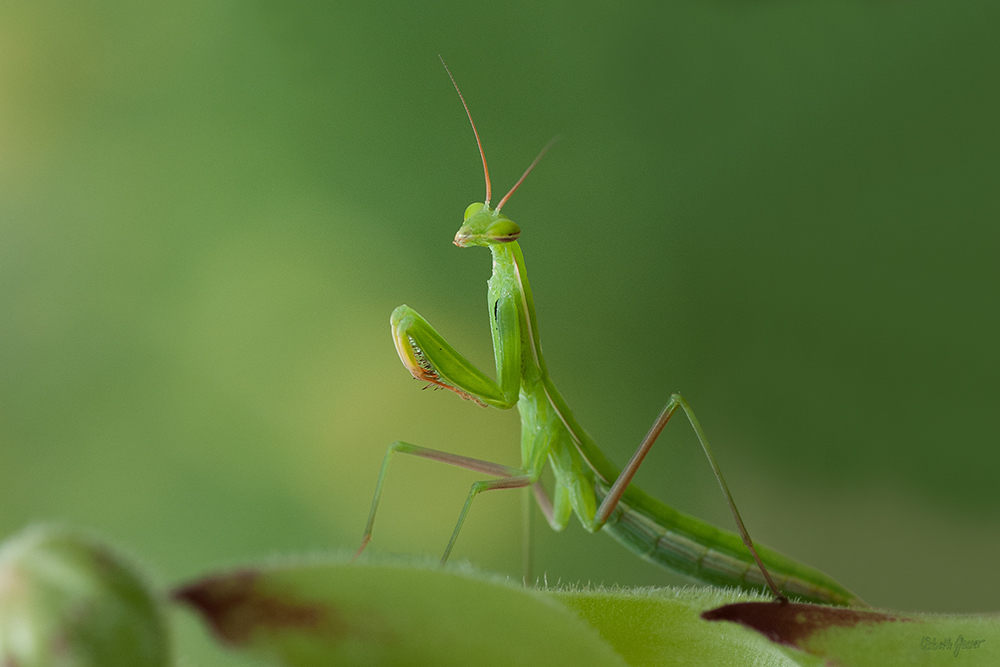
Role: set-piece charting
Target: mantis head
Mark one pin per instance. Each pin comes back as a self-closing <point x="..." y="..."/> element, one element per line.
<point x="483" y="226"/>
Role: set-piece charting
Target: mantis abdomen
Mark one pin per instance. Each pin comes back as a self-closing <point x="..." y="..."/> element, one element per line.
<point x="685" y="544"/>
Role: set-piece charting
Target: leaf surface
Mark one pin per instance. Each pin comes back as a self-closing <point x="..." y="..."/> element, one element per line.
<point x="341" y="613"/>
<point x="309" y="613"/>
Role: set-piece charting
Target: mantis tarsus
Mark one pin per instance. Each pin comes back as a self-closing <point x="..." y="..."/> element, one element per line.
<point x="586" y="482"/>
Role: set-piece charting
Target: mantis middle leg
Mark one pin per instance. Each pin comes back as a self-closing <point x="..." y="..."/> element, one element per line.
<point x="505" y="473"/>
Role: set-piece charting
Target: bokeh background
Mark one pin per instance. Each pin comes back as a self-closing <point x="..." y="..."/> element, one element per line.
<point x="787" y="211"/>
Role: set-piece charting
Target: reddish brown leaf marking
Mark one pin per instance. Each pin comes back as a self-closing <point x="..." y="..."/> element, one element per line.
<point x="235" y="606"/>
<point x="793" y="624"/>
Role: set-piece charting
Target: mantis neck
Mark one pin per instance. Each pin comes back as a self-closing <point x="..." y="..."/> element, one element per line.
<point x="510" y="281"/>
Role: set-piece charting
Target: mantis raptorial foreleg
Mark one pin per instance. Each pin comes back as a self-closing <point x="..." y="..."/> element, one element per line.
<point x="429" y="357"/>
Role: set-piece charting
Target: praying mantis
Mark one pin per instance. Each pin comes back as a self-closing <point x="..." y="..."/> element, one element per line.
<point x="587" y="484"/>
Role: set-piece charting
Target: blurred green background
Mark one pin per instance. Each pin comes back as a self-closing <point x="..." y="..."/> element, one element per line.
<point x="786" y="211"/>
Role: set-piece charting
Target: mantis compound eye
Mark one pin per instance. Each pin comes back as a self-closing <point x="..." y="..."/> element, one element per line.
<point x="503" y="231"/>
<point x="473" y="209"/>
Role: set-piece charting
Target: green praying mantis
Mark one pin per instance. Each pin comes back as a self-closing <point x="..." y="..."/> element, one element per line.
<point x="586" y="483"/>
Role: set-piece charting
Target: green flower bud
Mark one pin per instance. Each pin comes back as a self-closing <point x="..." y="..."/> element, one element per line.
<point x="68" y="601"/>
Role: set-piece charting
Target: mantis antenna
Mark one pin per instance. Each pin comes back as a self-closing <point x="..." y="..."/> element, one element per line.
<point x="526" y="172"/>
<point x="486" y="169"/>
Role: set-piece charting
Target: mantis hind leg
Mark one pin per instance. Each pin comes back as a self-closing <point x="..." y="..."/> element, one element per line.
<point x="617" y="489"/>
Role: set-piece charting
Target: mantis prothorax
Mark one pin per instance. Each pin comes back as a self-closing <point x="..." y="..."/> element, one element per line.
<point x="586" y="482"/>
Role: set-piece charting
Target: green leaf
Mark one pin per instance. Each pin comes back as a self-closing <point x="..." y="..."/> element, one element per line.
<point x="663" y="626"/>
<point x="339" y="613"/>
